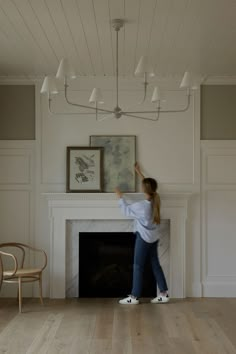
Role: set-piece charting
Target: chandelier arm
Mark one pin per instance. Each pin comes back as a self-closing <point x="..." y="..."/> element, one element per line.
<point x="144" y="118"/>
<point x="98" y="109"/>
<point x="64" y="113"/>
<point x="145" y="84"/>
<point x="163" y="111"/>
<point x="96" y="106"/>
<point x="117" y="68"/>
<point x="108" y="116"/>
<point x="181" y="110"/>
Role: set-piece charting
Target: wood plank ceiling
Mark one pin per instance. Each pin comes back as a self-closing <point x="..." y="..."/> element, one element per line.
<point x="198" y="35"/>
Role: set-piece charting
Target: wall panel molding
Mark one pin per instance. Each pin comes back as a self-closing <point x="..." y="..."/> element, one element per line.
<point x="15" y="167"/>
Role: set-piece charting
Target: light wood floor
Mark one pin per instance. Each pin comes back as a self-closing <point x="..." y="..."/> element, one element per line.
<point x="86" y="326"/>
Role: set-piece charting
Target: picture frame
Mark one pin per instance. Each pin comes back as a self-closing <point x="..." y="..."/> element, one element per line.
<point x="119" y="160"/>
<point x="84" y="169"/>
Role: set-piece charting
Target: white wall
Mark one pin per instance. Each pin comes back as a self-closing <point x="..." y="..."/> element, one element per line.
<point x="168" y="150"/>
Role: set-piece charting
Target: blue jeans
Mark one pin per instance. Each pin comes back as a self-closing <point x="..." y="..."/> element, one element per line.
<point x="141" y="252"/>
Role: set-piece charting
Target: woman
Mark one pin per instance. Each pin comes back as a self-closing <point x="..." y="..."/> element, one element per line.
<point x="147" y="220"/>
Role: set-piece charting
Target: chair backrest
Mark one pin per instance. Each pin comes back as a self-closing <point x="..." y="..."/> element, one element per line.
<point x="17" y="249"/>
<point x="24" y="254"/>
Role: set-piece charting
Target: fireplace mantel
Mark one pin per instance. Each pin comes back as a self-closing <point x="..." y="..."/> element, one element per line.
<point x="104" y="206"/>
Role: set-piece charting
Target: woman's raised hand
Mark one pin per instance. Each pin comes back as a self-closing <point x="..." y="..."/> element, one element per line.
<point x="138" y="170"/>
<point x="118" y="192"/>
<point x="137" y="167"/>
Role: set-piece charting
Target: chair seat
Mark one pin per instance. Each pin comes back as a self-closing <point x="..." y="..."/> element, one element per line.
<point x="22" y="272"/>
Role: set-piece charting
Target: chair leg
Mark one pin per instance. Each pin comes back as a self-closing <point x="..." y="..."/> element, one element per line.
<point x="20" y="294"/>
<point x="40" y="289"/>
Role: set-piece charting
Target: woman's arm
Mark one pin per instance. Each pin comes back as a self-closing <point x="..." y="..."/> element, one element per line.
<point x="119" y="194"/>
<point x="134" y="210"/>
<point x="138" y="170"/>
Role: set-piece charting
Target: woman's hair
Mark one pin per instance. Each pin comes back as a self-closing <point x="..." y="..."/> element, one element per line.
<point x="150" y="186"/>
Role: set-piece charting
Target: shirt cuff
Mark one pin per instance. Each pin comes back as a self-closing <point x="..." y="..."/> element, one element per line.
<point x="121" y="201"/>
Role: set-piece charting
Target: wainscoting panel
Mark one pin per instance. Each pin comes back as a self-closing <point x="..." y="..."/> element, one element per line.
<point x="221" y="168"/>
<point x="15" y="167"/>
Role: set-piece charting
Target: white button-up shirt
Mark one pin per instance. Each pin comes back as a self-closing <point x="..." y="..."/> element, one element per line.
<point x="141" y="212"/>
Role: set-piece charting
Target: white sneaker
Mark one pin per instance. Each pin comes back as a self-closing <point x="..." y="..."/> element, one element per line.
<point x="129" y="301"/>
<point x="160" y="299"/>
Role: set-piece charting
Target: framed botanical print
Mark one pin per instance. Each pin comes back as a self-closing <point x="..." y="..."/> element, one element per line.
<point x="119" y="160"/>
<point x="84" y="169"/>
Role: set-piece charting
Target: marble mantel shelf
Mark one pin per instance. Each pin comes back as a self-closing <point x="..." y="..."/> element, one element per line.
<point x="109" y="200"/>
<point x="111" y="196"/>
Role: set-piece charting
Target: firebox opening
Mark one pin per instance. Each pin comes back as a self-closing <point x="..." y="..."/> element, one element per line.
<point x="106" y="265"/>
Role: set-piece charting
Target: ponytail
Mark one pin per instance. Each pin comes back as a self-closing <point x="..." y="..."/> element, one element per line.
<point x="155" y="200"/>
<point x="150" y="186"/>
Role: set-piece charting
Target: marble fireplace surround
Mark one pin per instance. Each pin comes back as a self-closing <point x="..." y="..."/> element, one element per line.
<point x="103" y="206"/>
<point x="76" y="227"/>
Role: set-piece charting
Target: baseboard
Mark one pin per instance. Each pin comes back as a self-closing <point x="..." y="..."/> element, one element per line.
<point x="219" y="289"/>
<point x="10" y="290"/>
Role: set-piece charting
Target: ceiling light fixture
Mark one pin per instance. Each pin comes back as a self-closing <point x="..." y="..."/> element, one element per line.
<point x="65" y="72"/>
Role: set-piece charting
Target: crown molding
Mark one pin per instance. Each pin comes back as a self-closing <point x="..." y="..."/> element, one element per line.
<point x="161" y="80"/>
<point x="220" y="80"/>
<point x="19" y="80"/>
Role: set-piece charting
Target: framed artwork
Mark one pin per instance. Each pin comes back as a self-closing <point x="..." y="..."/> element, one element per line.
<point x="119" y="160"/>
<point x="84" y="169"/>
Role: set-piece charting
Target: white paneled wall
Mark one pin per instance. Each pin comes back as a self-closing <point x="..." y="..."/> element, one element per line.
<point x="218" y="212"/>
<point x="17" y="190"/>
<point x="168" y="150"/>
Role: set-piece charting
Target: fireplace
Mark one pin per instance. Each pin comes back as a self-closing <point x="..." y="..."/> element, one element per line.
<point x="77" y="230"/>
<point x="106" y="265"/>
<point x="92" y="208"/>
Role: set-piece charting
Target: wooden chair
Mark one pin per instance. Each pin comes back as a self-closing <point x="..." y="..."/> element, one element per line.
<point x="20" y="274"/>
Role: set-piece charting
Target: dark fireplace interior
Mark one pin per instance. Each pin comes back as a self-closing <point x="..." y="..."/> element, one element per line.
<point x="106" y="265"/>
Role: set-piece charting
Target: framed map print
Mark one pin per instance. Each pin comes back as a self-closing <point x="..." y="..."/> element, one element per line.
<point x="119" y="160"/>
